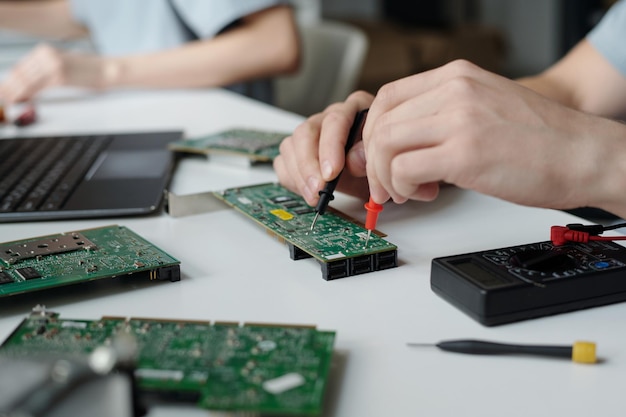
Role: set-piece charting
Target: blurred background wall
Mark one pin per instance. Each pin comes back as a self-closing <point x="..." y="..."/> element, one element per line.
<point x="511" y="37"/>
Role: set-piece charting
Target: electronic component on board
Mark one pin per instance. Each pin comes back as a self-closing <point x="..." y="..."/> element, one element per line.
<point x="255" y="368"/>
<point x="522" y="282"/>
<point x="338" y="243"/>
<point x="69" y="258"/>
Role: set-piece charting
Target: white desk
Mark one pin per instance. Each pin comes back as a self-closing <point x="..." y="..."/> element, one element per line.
<point x="233" y="271"/>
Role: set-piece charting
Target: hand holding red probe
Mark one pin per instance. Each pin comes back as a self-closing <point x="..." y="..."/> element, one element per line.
<point x="372" y="217"/>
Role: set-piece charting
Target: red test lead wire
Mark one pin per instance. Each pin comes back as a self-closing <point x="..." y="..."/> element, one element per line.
<point x="560" y="235"/>
<point x="372" y="217"/>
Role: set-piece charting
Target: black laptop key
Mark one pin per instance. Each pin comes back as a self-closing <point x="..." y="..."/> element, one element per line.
<point x="72" y="150"/>
<point x="25" y="175"/>
<point x="38" y="181"/>
<point x="12" y="154"/>
<point x="74" y="174"/>
<point x="22" y="157"/>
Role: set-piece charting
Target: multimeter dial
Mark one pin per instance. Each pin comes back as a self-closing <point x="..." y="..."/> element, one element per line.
<point x="543" y="262"/>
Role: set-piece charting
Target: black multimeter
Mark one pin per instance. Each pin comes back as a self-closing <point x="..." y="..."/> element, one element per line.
<point x="522" y="282"/>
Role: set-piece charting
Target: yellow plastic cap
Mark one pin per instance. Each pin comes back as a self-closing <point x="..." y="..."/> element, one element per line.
<point x="584" y="352"/>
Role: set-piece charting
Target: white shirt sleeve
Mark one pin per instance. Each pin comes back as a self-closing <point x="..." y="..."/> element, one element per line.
<point x="609" y="36"/>
<point x="208" y="18"/>
<point x="121" y="27"/>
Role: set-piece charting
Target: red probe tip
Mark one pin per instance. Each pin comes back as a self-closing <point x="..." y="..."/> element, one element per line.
<point x="372" y="214"/>
<point x="28" y="117"/>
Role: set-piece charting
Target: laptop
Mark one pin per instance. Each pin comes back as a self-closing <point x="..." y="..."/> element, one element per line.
<point x="84" y="176"/>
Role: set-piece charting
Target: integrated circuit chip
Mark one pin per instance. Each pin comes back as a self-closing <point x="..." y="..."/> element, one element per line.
<point x="28" y="273"/>
<point x="5" y="278"/>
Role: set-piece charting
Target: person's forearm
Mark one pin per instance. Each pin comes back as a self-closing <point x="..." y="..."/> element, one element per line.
<point x="592" y="167"/>
<point x="548" y="87"/>
<point x="47" y="18"/>
<point x="606" y="158"/>
<point x="584" y="80"/>
<point x="261" y="48"/>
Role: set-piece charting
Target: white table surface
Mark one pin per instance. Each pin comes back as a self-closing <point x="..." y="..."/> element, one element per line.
<point x="232" y="270"/>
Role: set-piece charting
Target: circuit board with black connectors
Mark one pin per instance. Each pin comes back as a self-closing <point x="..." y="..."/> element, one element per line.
<point x="256" y="145"/>
<point x="337" y="242"/>
<point x="69" y="258"/>
<point x="256" y="368"/>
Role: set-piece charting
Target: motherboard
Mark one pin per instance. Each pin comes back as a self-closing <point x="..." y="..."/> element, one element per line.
<point x="85" y="255"/>
<point x="338" y="242"/>
<point x="257" y="368"/>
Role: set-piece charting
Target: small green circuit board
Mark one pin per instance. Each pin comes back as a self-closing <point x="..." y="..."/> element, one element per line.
<point x="337" y="241"/>
<point x="257" y="145"/>
<point x="69" y="258"/>
<point x="256" y="368"/>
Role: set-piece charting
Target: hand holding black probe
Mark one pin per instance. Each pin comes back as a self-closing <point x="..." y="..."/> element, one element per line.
<point x="326" y="194"/>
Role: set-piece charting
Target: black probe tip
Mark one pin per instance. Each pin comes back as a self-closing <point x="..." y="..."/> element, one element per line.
<point x="325" y="198"/>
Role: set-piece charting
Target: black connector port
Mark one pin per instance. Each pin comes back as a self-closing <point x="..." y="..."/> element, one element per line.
<point x="168" y="272"/>
<point x="361" y="265"/>
<point x="386" y="260"/>
<point x="335" y="269"/>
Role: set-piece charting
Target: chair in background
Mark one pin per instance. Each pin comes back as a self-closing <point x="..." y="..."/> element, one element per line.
<point x="332" y="58"/>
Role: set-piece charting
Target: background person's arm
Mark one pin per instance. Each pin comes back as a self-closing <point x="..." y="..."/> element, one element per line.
<point x="583" y="80"/>
<point x="43" y="18"/>
<point x="264" y="44"/>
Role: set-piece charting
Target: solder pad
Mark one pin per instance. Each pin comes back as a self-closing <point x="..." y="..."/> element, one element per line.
<point x="337" y="242"/>
<point x="257" y="368"/>
<point x="256" y="145"/>
<point x="69" y="258"/>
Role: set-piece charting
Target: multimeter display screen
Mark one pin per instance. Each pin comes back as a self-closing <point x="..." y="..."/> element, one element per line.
<point x="479" y="274"/>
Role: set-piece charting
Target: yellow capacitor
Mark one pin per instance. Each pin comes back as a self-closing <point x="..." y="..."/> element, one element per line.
<point x="282" y="214"/>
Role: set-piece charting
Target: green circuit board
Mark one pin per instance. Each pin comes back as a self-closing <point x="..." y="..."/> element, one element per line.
<point x="223" y="366"/>
<point x="337" y="241"/>
<point x="69" y="258"/>
<point x="257" y="145"/>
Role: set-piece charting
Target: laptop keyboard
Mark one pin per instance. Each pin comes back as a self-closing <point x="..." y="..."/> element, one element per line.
<point x="38" y="174"/>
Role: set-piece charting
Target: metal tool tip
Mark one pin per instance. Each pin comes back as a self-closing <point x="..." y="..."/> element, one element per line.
<point x="315" y="220"/>
<point x="367" y="239"/>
